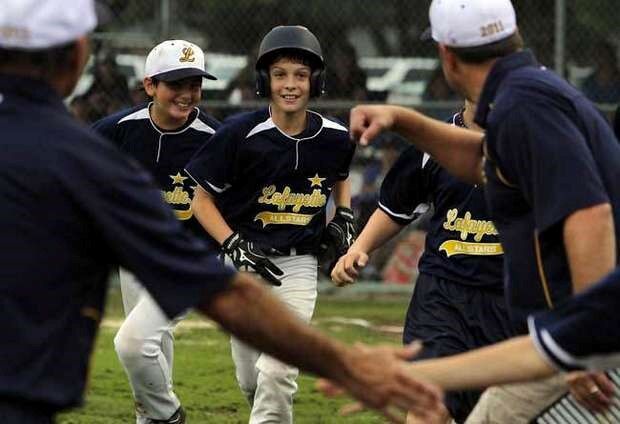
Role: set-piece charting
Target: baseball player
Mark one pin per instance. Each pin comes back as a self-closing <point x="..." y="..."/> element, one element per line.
<point x="162" y="136"/>
<point x="264" y="181"/>
<point x="74" y="208"/>
<point x="458" y="303"/>
<point x="549" y="160"/>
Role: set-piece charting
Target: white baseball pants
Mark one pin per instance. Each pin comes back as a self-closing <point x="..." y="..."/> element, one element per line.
<point x="268" y="384"/>
<point x="145" y="345"/>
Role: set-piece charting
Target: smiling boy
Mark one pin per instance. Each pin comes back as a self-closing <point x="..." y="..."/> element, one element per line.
<point x="264" y="181"/>
<point x="162" y="136"/>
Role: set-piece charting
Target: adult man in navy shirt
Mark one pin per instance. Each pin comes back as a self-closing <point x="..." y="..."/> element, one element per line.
<point x="73" y="208"/>
<point x="549" y="160"/>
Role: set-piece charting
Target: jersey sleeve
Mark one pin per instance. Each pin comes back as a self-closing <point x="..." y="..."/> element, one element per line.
<point x="406" y="187"/>
<point x="128" y="211"/>
<point x="213" y="164"/>
<point x="547" y="157"/>
<point x="584" y="331"/>
<point x="106" y="127"/>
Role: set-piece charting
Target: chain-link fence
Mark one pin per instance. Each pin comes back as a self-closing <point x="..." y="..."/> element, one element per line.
<point x="372" y="48"/>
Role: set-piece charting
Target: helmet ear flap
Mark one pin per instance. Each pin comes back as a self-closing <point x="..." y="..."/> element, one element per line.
<point x="262" y="83"/>
<point x="317" y="83"/>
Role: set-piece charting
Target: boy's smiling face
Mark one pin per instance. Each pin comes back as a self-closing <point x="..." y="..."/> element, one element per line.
<point x="173" y="101"/>
<point x="290" y="85"/>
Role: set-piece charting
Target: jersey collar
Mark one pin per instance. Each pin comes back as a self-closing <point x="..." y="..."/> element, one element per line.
<point x="500" y="70"/>
<point x="192" y="117"/>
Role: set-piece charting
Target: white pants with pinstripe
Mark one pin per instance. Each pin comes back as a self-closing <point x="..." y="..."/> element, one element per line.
<point x="268" y="384"/>
<point x="144" y="345"/>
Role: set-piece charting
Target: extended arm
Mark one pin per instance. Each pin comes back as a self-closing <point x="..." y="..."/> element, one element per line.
<point x="590" y="243"/>
<point x="458" y="150"/>
<point x="512" y="361"/>
<point x="342" y="193"/>
<point x="209" y="216"/>
<point x="379" y="229"/>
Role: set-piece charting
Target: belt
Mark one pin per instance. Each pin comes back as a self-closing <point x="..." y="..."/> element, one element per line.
<point x="293" y="251"/>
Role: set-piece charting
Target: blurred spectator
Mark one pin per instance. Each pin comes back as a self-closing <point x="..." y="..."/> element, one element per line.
<point x="345" y="78"/>
<point x="80" y="108"/>
<point x="109" y="92"/>
<point x="138" y="95"/>
<point x="603" y="85"/>
<point x="438" y="89"/>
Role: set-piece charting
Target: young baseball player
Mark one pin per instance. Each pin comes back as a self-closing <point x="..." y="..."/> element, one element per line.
<point x="458" y="303"/>
<point x="162" y="136"/>
<point x="264" y="181"/>
<point x="549" y="163"/>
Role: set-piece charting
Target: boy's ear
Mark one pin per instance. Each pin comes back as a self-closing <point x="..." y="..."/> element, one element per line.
<point x="149" y="86"/>
<point x="262" y="83"/>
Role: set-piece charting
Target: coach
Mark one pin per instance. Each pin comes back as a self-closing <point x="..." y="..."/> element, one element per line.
<point x="73" y="208"/>
<point x="549" y="162"/>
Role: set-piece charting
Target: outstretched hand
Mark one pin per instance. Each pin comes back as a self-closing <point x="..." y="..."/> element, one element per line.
<point x="368" y="121"/>
<point x="347" y="268"/>
<point x="381" y="380"/>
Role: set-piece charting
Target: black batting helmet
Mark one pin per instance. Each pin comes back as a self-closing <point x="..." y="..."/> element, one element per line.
<point x="292" y="37"/>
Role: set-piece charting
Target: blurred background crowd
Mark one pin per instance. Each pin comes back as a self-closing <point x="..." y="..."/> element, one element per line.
<point x="373" y="53"/>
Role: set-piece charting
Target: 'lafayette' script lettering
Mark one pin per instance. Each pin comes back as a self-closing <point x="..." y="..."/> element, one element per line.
<point x="178" y="196"/>
<point x="467" y="226"/>
<point x="286" y="198"/>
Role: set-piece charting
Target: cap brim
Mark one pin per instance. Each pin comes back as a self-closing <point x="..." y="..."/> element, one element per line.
<point x="427" y="34"/>
<point x="178" y="74"/>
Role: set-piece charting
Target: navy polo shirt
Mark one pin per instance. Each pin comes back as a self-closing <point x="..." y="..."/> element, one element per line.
<point x="164" y="153"/>
<point x="271" y="187"/>
<point x="548" y="153"/>
<point x="73" y="207"/>
<point x="462" y="244"/>
<point x="582" y="332"/>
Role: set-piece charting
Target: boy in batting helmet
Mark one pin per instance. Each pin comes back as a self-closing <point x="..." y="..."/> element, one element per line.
<point x="264" y="180"/>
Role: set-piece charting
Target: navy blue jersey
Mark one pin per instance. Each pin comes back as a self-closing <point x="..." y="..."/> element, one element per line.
<point x="549" y="153"/>
<point x="582" y="332"/>
<point x="73" y="207"/>
<point x="271" y="187"/>
<point x="164" y="153"/>
<point x="462" y="244"/>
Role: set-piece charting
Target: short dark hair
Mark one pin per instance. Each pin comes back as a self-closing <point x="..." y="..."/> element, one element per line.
<point x="294" y="55"/>
<point x="42" y="63"/>
<point x="480" y="54"/>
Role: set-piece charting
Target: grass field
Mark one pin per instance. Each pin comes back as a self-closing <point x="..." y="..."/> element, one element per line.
<point x="204" y="376"/>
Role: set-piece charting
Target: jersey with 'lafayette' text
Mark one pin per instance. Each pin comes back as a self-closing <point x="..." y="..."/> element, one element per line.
<point x="164" y="153"/>
<point x="462" y="244"/>
<point x="271" y="187"/>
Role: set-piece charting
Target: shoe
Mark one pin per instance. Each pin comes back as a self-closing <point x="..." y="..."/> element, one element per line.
<point x="176" y="418"/>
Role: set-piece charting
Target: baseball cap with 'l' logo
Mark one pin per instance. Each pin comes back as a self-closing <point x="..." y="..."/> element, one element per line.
<point x="176" y="59"/>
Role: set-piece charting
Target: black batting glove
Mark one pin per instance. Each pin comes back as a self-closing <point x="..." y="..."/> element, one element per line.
<point x="339" y="235"/>
<point x="244" y="253"/>
<point x="342" y="229"/>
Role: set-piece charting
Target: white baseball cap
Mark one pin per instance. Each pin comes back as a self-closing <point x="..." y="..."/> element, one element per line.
<point x="176" y="59"/>
<point x="42" y="24"/>
<point x="471" y="23"/>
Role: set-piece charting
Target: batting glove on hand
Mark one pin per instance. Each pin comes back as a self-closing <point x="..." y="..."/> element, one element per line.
<point x="244" y="253"/>
<point x="339" y="235"/>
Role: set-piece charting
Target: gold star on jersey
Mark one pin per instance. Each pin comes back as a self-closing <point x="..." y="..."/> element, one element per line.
<point x="178" y="197"/>
<point x="178" y="178"/>
<point x="316" y="181"/>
